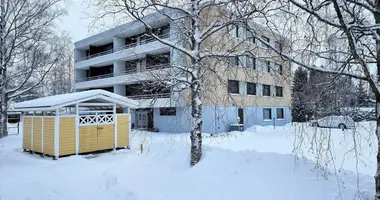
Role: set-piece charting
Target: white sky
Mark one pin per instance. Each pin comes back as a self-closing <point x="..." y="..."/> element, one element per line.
<point x="76" y="22"/>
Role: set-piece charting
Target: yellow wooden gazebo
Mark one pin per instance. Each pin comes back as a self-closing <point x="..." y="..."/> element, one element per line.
<point x="76" y="123"/>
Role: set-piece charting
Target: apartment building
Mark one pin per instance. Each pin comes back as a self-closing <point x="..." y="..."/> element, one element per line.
<point x="252" y="89"/>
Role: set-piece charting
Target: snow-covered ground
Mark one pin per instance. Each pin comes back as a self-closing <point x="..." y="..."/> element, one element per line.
<point x="256" y="164"/>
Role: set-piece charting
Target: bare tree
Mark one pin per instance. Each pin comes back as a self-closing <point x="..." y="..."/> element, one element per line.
<point x="30" y="47"/>
<point x="203" y="45"/>
<point x="60" y="79"/>
<point x="354" y="25"/>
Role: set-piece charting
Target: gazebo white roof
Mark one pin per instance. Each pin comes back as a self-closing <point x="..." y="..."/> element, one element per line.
<point x="62" y="100"/>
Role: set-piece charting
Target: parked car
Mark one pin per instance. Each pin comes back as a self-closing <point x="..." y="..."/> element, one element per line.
<point x="341" y="122"/>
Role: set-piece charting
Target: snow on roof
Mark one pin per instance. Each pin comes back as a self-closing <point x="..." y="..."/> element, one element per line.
<point x="73" y="98"/>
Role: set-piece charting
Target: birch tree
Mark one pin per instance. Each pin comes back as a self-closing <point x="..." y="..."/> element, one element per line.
<point x="355" y="25"/>
<point x="30" y="47"/>
<point x="202" y="27"/>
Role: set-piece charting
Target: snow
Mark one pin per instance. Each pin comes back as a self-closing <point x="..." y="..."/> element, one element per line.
<point x="256" y="164"/>
<point x="60" y="99"/>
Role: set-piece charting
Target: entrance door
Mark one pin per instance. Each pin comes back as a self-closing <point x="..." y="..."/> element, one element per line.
<point x="142" y="119"/>
<point x="150" y="119"/>
<point x="241" y="115"/>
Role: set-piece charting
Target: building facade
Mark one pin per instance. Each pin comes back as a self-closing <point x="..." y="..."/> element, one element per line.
<point x="249" y="89"/>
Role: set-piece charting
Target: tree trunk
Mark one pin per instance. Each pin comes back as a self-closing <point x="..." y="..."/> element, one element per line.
<point x="377" y="176"/>
<point x="196" y="124"/>
<point x="3" y="114"/>
<point x="3" y="76"/>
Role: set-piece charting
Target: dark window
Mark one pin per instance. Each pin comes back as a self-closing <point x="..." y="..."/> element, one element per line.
<point x="168" y="111"/>
<point x="279" y="91"/>
<point x="266" y="39"/>
<point x="237" y="31"/>
<point x="267" y="114"/>
<point x="266" y="90"/>
<point x="237" y="60"/>
<point x="250" y="37"/>
<point x="251" y="62"/>
<point x="233" y="87"/>
<point x="280" y="113"/>
<point x="278" y="46"/>
<point x="268" y="66"/>
<point x="251" y="88"/>
<point x="279" y="69"/>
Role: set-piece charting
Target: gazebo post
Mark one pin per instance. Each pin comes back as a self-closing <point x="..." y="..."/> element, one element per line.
<point x="56" y="134"/>
<point x="115" y="126"/>
<point x="77" y="129"/>
<point x="42" y="133"/>
<point x="32" y="135"/>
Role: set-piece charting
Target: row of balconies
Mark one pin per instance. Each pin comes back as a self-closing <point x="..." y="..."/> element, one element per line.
<point x="140" y="41"/>
<point x="126" y="72"/>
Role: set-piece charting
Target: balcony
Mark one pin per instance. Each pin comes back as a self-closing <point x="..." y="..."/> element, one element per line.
<point x="132" y="45"/>
<point x="132" y="71"/>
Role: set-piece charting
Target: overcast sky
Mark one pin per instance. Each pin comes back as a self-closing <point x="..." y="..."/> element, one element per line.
<point x="76" y="22"/>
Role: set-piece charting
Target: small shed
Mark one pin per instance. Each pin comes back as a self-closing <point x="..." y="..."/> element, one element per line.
<point x="76" y="123"/>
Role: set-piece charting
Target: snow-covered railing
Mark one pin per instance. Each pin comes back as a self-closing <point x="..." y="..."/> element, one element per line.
<point x="142" y="42"/>
<point x="150" y="96"/>
<point x="131" y="71"/>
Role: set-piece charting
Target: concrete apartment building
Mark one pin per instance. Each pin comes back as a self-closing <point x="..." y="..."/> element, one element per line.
<point x="252" y="89"/>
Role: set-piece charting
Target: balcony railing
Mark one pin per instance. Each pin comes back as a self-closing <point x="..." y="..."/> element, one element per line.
<point x="150" y="96"/>
<point x="132" y="71"/>
<point x="144" y="41"/>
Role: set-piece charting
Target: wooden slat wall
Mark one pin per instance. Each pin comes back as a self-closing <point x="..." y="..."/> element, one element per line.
<point x="122" y="130"/>
<point x="27" y="133"/>
<point x="88" y="139"/>
<point x="49" y="135"/>
<point x="66" y="135"/>
<point x="105" y="136"/>
<point x="37" y="134"/>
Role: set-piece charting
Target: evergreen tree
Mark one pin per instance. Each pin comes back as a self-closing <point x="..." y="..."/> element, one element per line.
<point x="362" y="96"/>
<point x="300" y="106"/>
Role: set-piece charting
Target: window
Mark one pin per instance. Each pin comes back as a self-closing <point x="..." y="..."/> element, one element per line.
<point x="268" y="66"/>
<point x="266" y="39"/>
<point x="233" y="87"/>
<point x="250" y="37"/>
<point x="237" y="61"/>
<point x="251" y="62"/>
<point x="280" y="113"/>
<point x="260" y="64"/>
<point x="279" y="91"/>
<point x="266" y="90"/>
<point x="168" y="111"/>
<point x="278" y="69"/>
<point x="267" y="114"/>
<point x="278" y="45"/>
<point x="251" y="88"/>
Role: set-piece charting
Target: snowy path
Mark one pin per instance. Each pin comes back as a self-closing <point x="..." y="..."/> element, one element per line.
<point x="249" y="165"/>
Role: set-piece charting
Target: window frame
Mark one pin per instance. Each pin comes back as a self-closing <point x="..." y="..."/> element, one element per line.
<point x="170" y="111"/>
<point x="283" y="113"/>
<point x="270" y="114"/>
<point x="265" y="90"/>
<point x="228" y="87"/>
<point x="268" y="66"/>
<point x="282" y="91"/>
<point x="254" y="86"/>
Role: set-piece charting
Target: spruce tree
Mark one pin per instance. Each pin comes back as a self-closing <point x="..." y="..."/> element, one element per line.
<point x="300" y="107"/>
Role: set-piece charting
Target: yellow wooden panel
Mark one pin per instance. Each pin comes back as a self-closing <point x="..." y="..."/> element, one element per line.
<point x="122" y="130"/>
<point x="27" y="133"/>
<point x="37" y="134"/>
<point x="49" y="136"/>
<point x="105" y="136"/>
<point x="66" y="136"/>
<point x="88" y="139"/>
